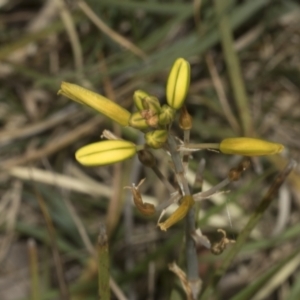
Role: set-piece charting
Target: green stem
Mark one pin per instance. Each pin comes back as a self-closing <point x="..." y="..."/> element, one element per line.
<point x="191" y="253"/>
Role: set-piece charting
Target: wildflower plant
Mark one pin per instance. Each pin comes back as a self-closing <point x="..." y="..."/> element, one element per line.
<point x="155" y="121"/>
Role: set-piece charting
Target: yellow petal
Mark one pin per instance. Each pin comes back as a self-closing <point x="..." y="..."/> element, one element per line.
<point x="249" y="147"/>
<point x="178" y="83"/>
<point x="186" y="203"/>
<point x="105" y="152"/>
<point x="100" y="103"/>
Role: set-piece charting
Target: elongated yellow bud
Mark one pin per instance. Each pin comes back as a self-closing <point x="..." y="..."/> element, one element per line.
<point x="156" y="138"/>
<point x="178" y="83"/>
<point x="138" y="121"/>
<point x="105" y="152"/>
<point x="103" y="105"/>
<point x="138" y="97"/>
<point x="249" y="147"/>
<point x="186" y="203"/>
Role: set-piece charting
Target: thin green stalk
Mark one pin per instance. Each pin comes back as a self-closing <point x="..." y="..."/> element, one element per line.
<point x="34" y="270"/>
<point x="254" y="219"/>
<point x="233" y="66"/>
<point x="103" y="264"/>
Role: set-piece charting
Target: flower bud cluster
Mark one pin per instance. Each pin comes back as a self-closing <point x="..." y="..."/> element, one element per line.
<point x="154" y="120"/>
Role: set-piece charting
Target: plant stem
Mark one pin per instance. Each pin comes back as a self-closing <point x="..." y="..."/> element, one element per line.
<point x="103" y="264"/>
<point x="191" y="253"/>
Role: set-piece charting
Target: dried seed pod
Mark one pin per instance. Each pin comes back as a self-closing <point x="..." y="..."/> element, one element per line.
<point x="147" y="209"/>
<point x="185" y="119"/>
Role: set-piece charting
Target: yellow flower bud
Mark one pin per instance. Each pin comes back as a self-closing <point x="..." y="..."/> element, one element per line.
<point x="178" y="83"/>
<point x="105" y="152"/>
<point x="186" y="203"/>
<point x="166" y="116"/>
<point x="103" y="105"/>
<point x="138" y="97"/>
<point x="156" y="138"/>
<point x="138" y="121"/>
<point x="249" y="147"/>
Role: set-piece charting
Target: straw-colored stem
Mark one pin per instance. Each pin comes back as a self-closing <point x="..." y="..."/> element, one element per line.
<point x="103" y="264"/>
<point x="63" y="287"/>
<point x="34" y="270"/>
<point x="204" y="195"/>
<point x="196" y="147"/>
<point x="164" y="180"/>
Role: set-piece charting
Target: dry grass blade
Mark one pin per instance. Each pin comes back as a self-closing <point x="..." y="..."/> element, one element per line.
<point x="63" y="287"/>
<point x="54" y="146"/>
<point x="233" y="66"/>
<point x="103" y="264"/>
<point x="253" y="220"/>
<point x="71" y="30"/>
<point x="34" y="269"/>
<point x="108" y="31"/>
<point x="221" y="93"/>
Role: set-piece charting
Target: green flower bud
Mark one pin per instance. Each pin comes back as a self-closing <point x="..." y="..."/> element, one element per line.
<point x="249" y="147"/>
<point x="138" y="97"/>
<point x="166" y="116"/>
<point x="178" y="83"/>
<point x="103" y="105"/>
<point x="152" y="103"/>
<point x="105" y="152"/>
<point x="156" y="138"/>
<point x="138" y="121"/>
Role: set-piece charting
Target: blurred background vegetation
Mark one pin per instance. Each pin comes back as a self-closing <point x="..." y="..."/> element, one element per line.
<point x="115" y="47"/>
